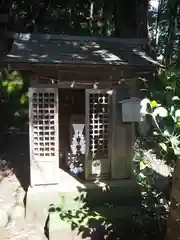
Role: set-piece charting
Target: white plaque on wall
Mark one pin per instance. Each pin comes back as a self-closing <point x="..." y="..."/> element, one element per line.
<point x="96" y="167"/>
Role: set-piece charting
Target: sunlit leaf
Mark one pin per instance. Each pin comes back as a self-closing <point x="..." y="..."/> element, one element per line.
<point x="155" y="133"/>
<point x="142" y="176"/>
<point x="154" y="104"/>
<point x="142" y="79"/>
<point x="163" y="146"/>
<point x="166" y="133"/>
<point x="142" y="165"/>
<point x="10" y="88"/>
<point x="5" y="83"/>
<point x="175" y="98"/>
<point x="145" y="106"/>
<point x="177" y="113"/>
<point x="169" y="88"/>
<point x="23" y="99"/>
<point x="172" y="110"/>
<point x="161" y="111"/>
<point x="175" y="142"/>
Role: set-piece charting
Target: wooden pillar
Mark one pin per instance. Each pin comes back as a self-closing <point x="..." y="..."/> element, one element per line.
<point x="122" y="138"/>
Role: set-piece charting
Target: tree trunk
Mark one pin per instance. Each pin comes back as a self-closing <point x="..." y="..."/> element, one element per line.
<point x="178" y="30"/>
<point x="141" y="18"/>
<point x="107" y="16"/>
<point x="131" y="18"/>
<point x="172" y="8"/>
<point x="173" y="223"/>
<point x="124" y="19"/>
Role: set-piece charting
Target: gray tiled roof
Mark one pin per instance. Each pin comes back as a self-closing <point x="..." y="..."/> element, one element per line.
<point x="56" y="49"/>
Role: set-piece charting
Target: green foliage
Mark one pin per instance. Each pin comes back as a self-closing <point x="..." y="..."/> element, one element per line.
<point x="163" y="107"/>
<point x="11" y="81"/>
<point x="164" y="28"/>
<point x="155" y="199"/>
<point x="13" y="101"/>
<point x="102" y="18"/>
<point x="85" y="220"/>
<point x="66" y="17"/>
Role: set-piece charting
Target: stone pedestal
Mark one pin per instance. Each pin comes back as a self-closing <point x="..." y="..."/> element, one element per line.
<point x="38" y="200"/>
<point x="70" y="194"/>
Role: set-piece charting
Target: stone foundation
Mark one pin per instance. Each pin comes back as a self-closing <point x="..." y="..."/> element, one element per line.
<point x="91" y="195"/>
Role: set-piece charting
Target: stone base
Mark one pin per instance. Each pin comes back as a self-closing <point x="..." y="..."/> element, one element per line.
<point x="39" y="198"/>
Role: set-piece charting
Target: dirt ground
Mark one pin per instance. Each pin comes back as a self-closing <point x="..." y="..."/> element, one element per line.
<point x="12" y="202"/>
<point x="14" y="180"/>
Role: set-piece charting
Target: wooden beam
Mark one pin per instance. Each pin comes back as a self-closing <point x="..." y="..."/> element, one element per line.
<point x="79" y="68"/>
<point x="26" y="66"/>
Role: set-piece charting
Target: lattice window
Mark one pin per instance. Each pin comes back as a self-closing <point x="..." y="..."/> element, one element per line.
<point x="98" y="123"/>
<point x="43" y="113"/>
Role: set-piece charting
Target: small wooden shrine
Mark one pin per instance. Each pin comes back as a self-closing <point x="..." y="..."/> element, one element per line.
<point x="83" y="104"/>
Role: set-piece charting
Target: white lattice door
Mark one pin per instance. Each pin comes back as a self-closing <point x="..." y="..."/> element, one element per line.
<point x="97" y="134"/>
<point x="43" y="131"/>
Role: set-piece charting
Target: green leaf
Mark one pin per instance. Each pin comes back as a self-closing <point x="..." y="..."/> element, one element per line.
<point x="10" y="88"/>
<point x="142" y="165"/>
<point x="163" y="146"/>
<point x="23" y="99"/>
<point x="154" y="104"/>
<point x="5" y="83"/>
<point x="142" y="79"/>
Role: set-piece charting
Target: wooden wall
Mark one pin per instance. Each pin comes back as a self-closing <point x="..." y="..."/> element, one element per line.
<point x="122" y="142"/>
